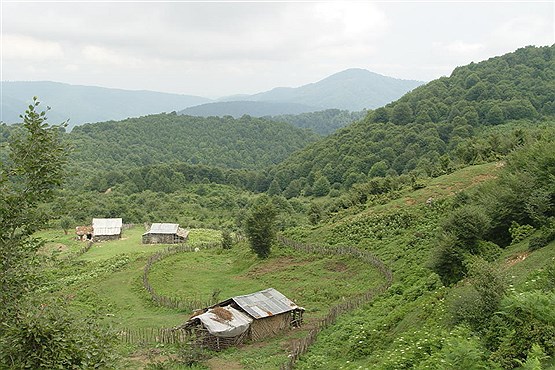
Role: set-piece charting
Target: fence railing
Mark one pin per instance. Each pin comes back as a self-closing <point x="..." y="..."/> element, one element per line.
<point x="153" y="335"/>
<point x="301" y="346"/>
<point x="175" y="302"/>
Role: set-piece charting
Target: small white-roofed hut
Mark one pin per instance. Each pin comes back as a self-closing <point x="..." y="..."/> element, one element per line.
<point x="253" y="316"/>
<point x="106" y="229"/>
<point x="162" y="233"/>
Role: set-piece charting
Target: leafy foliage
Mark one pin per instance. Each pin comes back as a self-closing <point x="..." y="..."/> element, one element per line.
<point x="49" y="337"/>
<point x="247" y="142"/>
<point x="433" y="124"/>
<point x="323" y="122"/>
<point x="36" y="335"/>
<point x="27" y="180"/>
<point x="260" y="226"/>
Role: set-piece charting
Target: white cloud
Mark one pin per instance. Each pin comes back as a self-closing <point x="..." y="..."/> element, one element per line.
<point x="108" y="57"/>
<point x="18" y="47"/>
<point x="464" y="48"/>
<point x="220" y="48"/>
<point x="525" y="30"/>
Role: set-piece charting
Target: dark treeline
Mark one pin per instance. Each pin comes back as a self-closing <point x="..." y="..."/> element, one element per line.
<point x="323" y="122"/>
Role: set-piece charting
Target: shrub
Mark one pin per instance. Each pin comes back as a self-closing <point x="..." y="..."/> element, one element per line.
<point x="46" y="336"/>
<point x="519" y="232"/>
<point x="227" y="241"/>
<point x="545" y="236"/>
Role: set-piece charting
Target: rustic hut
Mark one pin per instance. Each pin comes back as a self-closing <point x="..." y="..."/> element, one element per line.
<point x="84" y="232"/>
<point x="160" y="233"/>
<point x="106" y="229"/>
<point x="253" y="316"/>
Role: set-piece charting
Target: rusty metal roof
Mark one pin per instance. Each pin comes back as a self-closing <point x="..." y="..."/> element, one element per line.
<point x="265" y="303"/>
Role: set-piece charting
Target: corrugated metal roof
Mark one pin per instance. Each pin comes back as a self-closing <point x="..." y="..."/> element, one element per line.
<point x="162" y="228"/>
<point x="265" y="303"/>
<point x="107" y="226"/>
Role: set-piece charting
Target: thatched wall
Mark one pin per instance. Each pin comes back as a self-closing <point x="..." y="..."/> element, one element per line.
<point x="204" y="339"/>
<point x="269" y="326"/>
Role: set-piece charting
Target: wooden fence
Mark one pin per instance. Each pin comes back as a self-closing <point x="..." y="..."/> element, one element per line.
<point x="301" y="346"/>
<point x="189" y="304"/>
<point x="153" y="335"/>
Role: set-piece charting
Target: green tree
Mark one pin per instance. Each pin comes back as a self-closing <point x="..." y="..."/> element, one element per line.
<point x="66" y="223"/>
<point x="36" y="335"/>
<point x="495" y="115"/>
<point x="227" y="241"/>
<point x="402" y="114"/>
<point x="28" y="179"/>
<point x="321" y="186"/>
<point x="260" y="226"/>
<point x="315" y="213"/>
<point x="293" y="189"/>
<point x="274" y="188"/>
<point x="380" y="115"/>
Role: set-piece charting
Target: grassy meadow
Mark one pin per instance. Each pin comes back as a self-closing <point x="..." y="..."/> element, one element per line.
<point x="106" y="282"/>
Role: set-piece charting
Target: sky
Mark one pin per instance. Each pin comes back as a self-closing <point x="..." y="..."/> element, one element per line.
<point x="221" y="48"/>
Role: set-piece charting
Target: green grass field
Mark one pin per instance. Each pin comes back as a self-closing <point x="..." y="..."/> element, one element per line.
<point x="106" y="282"/>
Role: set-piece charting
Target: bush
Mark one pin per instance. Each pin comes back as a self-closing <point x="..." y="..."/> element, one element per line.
<point x="227" y="241"/>
<point x="479" y="302"/>
<point x="520" y="232"/>
<point x="545" y="236"/>
<point x="46" y="336"/>
<point x="531" y="320"/>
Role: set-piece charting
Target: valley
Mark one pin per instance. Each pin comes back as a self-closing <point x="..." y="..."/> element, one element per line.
<point x="421" y="235"/>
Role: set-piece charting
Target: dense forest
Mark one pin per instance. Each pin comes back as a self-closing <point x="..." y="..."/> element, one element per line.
<point x="431" y="127"/>
<point x="226" y="142"/>
<point x="322" y="122"/>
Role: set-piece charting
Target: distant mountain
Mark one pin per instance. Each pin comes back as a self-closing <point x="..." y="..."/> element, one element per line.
<point x="252" y="108"/>
<point x="82" y="104"/>
<point x="353" y="89"/>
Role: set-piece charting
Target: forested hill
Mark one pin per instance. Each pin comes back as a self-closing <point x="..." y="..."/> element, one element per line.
<point x="162" y="138"/>
<point x="81" y="104"/>
<point x="323" y="122"/>
<point x="252" y="108"/>
<point x="431" y="126"/>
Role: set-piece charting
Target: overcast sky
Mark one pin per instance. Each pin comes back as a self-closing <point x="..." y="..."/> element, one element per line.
<point x="215" y="49"/>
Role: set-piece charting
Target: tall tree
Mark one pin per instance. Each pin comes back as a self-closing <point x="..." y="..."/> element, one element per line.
<point x="27" y="179"/>
<point x="33" y="335"/>
<point x="260" y="226"/>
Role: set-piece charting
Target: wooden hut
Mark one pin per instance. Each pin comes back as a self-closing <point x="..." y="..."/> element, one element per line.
<point x="253" y="316"/>
<point x="84" y="232"/>
<point x="106" y="229"/>
<point x="161" y="233"/>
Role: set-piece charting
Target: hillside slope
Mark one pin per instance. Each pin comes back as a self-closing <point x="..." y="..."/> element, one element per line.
<point x="499" y="316"/>
<point x="424" y="130"/>
<point x="165" y="138"/>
